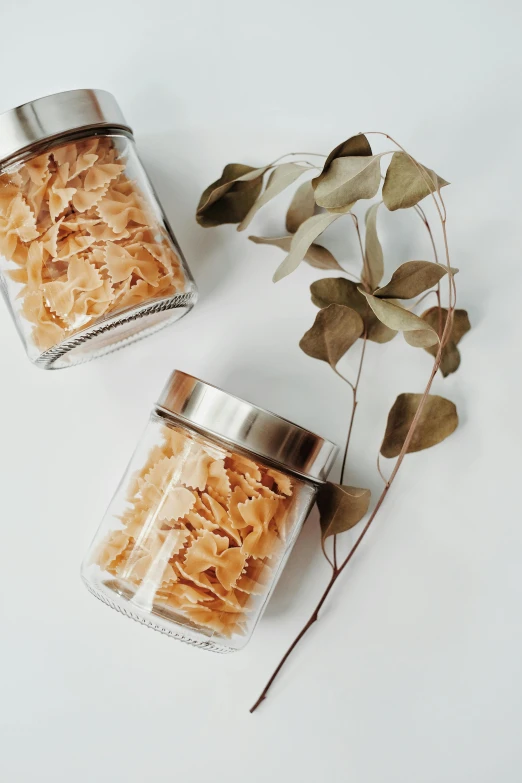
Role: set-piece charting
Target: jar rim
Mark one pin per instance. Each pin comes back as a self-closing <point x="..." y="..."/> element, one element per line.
<point x="217" y="413"/>
<point x="56" y="115"/>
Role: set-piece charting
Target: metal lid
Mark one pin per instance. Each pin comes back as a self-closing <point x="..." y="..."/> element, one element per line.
<point x="55" y="115"/>
<point x="211" y="411"/>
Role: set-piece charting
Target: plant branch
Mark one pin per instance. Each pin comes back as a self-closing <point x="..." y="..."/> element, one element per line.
<point x="336" y="571"/>
<point x="348" y="439"/>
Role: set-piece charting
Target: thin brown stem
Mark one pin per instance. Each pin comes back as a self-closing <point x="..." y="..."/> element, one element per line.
<point x="444" y="336"/>
<point x="312" y="619"/>
<point x="420" y="212"/>
<point x="381" y="474"/>
<point x="421" y="299"/>
<point x="337" y="571"/>
<point x="364" y="276"/>
<point x="348" y="438"/>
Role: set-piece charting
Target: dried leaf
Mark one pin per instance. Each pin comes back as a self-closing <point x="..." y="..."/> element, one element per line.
<point x="438" y="420"/>
<point x="321" y="258"/>
<point x="416" y="331"/>
<point x="316" y="255"/>
<point x="373" y="249"/>
<point x="305" y="235"/>
<point x="340" y="507"/>
<point x="450" y="359"/>
<point x="281" y="177"/>
<point x="411" y="279"/>
<point x="335" y="330"/>
<point x="301" y="207"/>
<point x="354" y="146"/>
<point x="408" y="182"/>
<point x="339" y="290"/>
<point x="229" y="198"/>
<point x="348" y="180"/>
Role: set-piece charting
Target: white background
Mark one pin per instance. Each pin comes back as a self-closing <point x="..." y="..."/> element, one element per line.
<point x="413" y="674"/>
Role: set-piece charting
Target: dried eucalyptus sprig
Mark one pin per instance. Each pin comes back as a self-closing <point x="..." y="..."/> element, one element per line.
<point x="355" y="309"/>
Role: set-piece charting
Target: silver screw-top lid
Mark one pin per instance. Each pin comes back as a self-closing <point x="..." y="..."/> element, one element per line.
<point x="54" y="116"/>
<point x="216" y="413"/>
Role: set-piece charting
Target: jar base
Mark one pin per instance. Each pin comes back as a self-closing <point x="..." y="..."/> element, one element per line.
<point x="117" y="331"/>
<point x="118" y="595"/>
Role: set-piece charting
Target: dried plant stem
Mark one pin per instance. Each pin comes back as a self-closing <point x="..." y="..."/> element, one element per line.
<point x="381" y="474"/>
<point x="444" y="336"/>
<point x="354" y="387"/>
<point x="422" y="298"/>
<point x="420" y="212"/>
<point x="338" y="570"/>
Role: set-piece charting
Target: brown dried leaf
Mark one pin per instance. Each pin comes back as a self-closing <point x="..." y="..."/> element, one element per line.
<point x="450" y="359"/>
<point x="301" y="207"/>
<point x="335" y="330"/>
<point x="406" y="184"/>
<point x="316" y="255"/>
<point x="340" y="507"/>
<point x="411" y="279"/>
<point x="229" y="198"/>
<point x="416" y="331"/>
<point x="348" y="180"/>
<point x="305" y="236"/>
<point x="354" y="146"/>
<point x="339" y="290"/>
<point x="373" y="249"/>
<point x="281" y="177"/>
<point x="438" y="420"/>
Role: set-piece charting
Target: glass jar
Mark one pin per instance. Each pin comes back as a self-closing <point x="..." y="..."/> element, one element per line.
<point x="88" y="261"/>
<point x="205" y="517"/>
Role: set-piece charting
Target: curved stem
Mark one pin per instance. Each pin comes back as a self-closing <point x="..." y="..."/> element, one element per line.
<point x="337" y="571"/>
<point x="348" y="438"/>
<point x="364" y="276"/>
<point x="446" y="332"/>
<point x="312" y="619"/>
<point x="381" y="474"/>
<point x="420" y="212"/>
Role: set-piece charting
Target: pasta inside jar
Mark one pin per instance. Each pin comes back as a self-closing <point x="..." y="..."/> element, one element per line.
<point x="201" y="536"/>
<point x="87" y="258"/>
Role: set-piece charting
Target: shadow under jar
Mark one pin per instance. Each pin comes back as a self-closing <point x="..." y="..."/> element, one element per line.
<point x="206" y="515"/>
<point x="88" y="261"/>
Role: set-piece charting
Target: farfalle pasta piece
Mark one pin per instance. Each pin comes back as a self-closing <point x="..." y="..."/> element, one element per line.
<point x="86" y="199"/>
<point x="60" y="294"/>
<point x="112" y="548"/>
<point x="283" y="481"/>
<point x="38" y="169"/>
<point x="211" y="551"/>
<point x="121" y="264"/>
<point x="73" y="245"/>
<point x="255" y="577"/>
<point x="101" y="174"/>
<point x="119" y="212"/>
<point x="20" y="222"/>
<point x="60" y="194"/>
<point x="257" y="514"/>
<point x="221" y="517"/>
<point x="46" y="331"/>
<point x="176" y="504"/>
<point x="246" y="466"/>
<point x="217" y="479"/>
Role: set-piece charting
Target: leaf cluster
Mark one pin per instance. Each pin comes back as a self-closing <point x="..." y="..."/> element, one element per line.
<point x="353" y="310"/>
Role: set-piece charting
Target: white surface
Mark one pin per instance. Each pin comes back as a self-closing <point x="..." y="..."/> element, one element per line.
<point x="413" y="674"/>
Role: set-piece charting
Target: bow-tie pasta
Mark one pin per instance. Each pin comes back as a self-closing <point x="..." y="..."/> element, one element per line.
<point x="79" y="241"/>
<point x="203" y="530"/>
